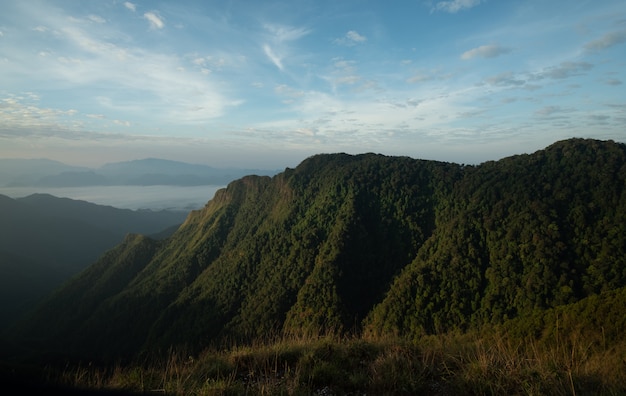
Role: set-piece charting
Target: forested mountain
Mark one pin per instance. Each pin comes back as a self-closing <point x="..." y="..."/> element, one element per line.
<point x="44" y="240"/>
<point x="365" y="243"/>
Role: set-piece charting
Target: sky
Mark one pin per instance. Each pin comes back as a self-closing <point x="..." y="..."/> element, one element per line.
<point x="266" y="84"/>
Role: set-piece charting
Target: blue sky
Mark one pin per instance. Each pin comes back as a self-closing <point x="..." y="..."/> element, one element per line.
<point x="268" y="83"/>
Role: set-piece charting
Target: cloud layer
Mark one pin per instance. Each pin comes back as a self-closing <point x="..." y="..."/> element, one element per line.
<point x="426" y="80"/>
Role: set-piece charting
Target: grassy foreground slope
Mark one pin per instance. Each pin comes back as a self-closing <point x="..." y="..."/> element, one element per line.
<point x="575" y="349"/>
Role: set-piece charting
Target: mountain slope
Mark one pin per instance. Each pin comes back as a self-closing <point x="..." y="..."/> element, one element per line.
<point x="368" y="242"/>
<point x="44" y="240"/>
<point x="528" y="232"/>
<point x="119" y="221"/>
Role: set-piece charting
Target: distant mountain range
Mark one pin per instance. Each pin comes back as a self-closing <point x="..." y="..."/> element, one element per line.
<point x="368" y="244"/>
<point x="44" y="240"/>
<point x="143" y="172"/>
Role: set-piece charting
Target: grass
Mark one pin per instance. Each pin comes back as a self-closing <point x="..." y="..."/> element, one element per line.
<point x="449" y="364"/>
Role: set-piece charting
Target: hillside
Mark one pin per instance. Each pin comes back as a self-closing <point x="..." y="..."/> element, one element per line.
<point x="366" y="243"/>
<point x="44" y="240"/>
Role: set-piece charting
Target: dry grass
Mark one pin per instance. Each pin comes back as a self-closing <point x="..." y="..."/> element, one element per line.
<point x="461" y="364"/>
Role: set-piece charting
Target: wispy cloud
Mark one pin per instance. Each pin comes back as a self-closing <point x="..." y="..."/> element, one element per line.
<point x="454" y="6"/>
<point x="565" y="70"/>
<point x="371" y="84"/>
<point x="606" y="41"/>
<point x="19" y="112"/>
<point x="276" y="60"/>
<point x="277" y="42"/>
<point x="281" y="33"/>
<point x="561" y="71"/>
<point x="96" y="19"/>
<point x="550" y="111"/>
<point x="355" y="36"/>
<point x="505" y="79"/>
<point x="485" y="51"/>
<point x="289" y="93"/>
<point x="613" y="81"/>
<point x="420" y="76"/>
<point x="161" y="87"/>
<point x="351" y="38"/>
<point x="156" y="22"/>
<point x="345" y="73"/>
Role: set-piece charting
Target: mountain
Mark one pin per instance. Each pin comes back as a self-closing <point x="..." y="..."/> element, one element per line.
<point x="44" y="240"/>
<point x="144" y="172"/>
<point x="26" y="172"/>
<point x="366" y="243"/>
<point x="153" y="171"/>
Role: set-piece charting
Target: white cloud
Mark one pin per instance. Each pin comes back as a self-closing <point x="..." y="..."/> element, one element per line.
<point x="23" y="112"/>
<point x="85" y="62"/>
<point x="129" y="80"/>
<point x="285" y="90"/>
<point x="276" y="60"/>
<point x="280" y="33"/>
<point x="101" y="70"/>
<point x="96" y="19"/>
<point x="122" y="123"/>
<point x="363" y="122"/>
<point x="351" y="38"/>
<point x="290" y="93"/>
<point x="276" y="46"/>
<point x="454" y="6"/>
<point x="485" y="51"/>
<point x="419" y="77"/>
<point x="344" y="73"/>
<point x="355" y="36"/>
<point x="156" y="22"/>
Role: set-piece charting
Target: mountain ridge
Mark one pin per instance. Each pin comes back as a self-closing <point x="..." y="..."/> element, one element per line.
<point x="16" y="172"/>
<point x="371" y="243"/>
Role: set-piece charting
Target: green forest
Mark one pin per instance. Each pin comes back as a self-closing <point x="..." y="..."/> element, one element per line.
<point x="369" y="247"/>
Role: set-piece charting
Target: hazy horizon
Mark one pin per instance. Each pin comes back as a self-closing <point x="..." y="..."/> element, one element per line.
<point x="181" y="198"/>
<point x="267" y="84"/>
